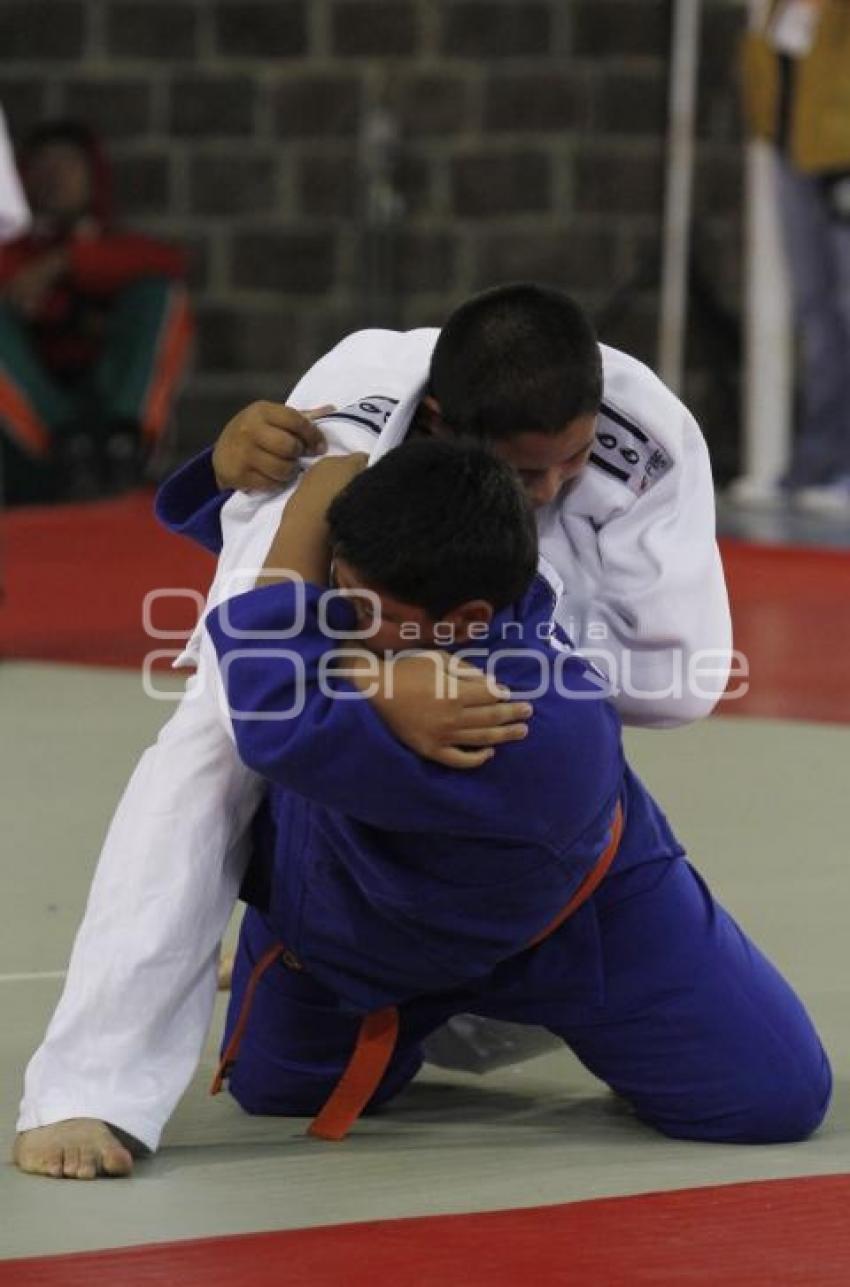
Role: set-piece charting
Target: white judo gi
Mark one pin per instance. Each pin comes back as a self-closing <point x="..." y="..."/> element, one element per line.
<point x="634" y="543"/>
<point x="14" y="211"/>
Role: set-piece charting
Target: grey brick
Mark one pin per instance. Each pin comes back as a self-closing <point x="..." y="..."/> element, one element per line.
<point x="434" y="104"/>
<point x="414" y="179"/>
<point x="231" y="339"/>
<point x="713" y="394"/>
<point x="635" y="328"/>
<point x="301" y="262"/>
<point x="343" y="195"/>
<point x="197" y="245"/>
<point x="327" y="185"/>
<point x="719" y="114"/>
<point x="232" y="184"/>
<point x="23" y="104"/>
<point x="135" y="29"/>
<point x="719" y="91"/>
<point x="715" y="266"/>
<point x="332" y="324"/>
<point x="722" y="28"/>
<point x="576" y="259"/>
<point x="426" y="260"/>
<point x="41" y="29"/>
<point x="212" y="105"/>
<point x="275" y="29"/>
<point x="423" y="309"/>
<point x="618" y="181"/>
<point x="113" y="108"/>
<point x="719" y="179"/>
<point x="200" y="416"/>
<point x="374" y="28"/>
<point x="494" y="29"/>
<point x="608" y="28"/>
<point x="142" y="184"/>
<point x="317" y="106"/>
<point x="631" y="102"/>
<point x="542" y="101"/>
<point x="506" y="183"/>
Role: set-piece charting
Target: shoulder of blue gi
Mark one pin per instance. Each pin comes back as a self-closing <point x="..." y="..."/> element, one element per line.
<point x="564" y="776"/>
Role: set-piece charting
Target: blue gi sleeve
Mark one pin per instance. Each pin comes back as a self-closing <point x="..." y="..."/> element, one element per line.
<point x="190" y="504"/>
<point x="298" y="725"/>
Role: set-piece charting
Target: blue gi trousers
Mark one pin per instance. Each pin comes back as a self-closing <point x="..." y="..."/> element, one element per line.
<point x="695" y="1028"/>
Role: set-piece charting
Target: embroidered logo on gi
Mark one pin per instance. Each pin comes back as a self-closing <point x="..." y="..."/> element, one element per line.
<point x="372" y="412"/>
<point x="628" y="453"/>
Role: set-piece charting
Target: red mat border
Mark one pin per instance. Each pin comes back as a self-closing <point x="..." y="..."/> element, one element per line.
<point x="774" y="1233"/>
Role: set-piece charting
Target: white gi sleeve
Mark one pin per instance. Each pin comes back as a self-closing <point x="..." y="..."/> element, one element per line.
<point x="14" y="212"/>
<point x="635" y="545"/>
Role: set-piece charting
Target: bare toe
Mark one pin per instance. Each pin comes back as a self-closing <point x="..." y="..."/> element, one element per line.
<point x="87" y="1170"/>
<point x="71" y="1162"/>
<point x="116" y="1160"/>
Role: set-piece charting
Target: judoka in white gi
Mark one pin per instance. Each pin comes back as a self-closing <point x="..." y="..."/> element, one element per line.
<point x="626" y="517"/>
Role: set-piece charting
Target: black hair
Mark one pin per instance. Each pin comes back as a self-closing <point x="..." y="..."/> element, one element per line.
<point x="516" y="359"/>
<point x="436" y="523"/>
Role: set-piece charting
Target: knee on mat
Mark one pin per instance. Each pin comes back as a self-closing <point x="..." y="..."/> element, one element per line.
<point x="287" y="1093"/>
<point x="794" y="1104"/>
<point x="794" y="1110"/>
<point x="290" y="1097"/>
<point x="265" y="1105"/>
<point x="787" y="1110"/>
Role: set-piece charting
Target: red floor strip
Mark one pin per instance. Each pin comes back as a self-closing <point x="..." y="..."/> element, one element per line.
<point x="76" y="577"/>
<point x="771" y="1234"/>
<point x="791" y="612"/>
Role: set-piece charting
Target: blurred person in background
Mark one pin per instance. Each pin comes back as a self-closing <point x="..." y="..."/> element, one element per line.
<point x="94" y="330"/>
<point x="797" y="96"/>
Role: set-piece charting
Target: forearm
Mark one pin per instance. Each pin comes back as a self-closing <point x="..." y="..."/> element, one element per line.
<point x="301" y="548"/>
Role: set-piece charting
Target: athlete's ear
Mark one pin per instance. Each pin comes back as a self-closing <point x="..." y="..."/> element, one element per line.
<point x="471" y="620"/>
<point x="431" y="418"/>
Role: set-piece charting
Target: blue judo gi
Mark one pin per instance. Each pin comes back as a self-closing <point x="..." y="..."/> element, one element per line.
<point x="395" y="880"/>
<point x="651" y="983"/>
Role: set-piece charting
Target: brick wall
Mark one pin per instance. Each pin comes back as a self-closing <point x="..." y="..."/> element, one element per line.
<point x="530" y="145"/>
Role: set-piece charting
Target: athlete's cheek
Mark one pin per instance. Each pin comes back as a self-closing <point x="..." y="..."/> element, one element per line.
<point x="386" y="639"/>
<point x="572" y="472"/>
<point x="548" y="488"/>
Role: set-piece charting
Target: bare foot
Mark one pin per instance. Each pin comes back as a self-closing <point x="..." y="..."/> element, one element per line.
<point x="225" y="972"/>
<point x="80" y="1148"/>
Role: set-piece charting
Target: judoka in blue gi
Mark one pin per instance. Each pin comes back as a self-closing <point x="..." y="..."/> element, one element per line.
<point x="398" y="885"/>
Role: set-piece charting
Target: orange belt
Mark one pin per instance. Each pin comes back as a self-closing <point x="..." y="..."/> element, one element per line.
<point x="378" y="1033"/>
